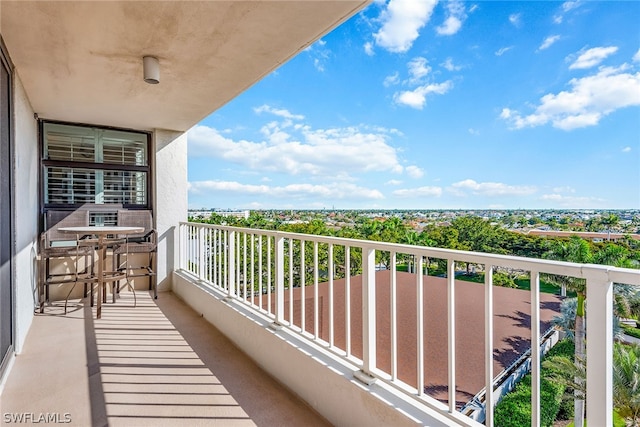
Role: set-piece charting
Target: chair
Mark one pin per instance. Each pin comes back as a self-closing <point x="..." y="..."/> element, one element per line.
<point x="140" y="243"/>
<point x="57" y="245"/>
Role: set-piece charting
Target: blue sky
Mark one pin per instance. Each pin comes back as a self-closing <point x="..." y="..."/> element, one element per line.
<point x="438" y="105"/>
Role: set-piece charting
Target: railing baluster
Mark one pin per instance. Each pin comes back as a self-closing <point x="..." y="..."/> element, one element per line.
<point x="600" y="350"/>
<point x="316" y="315"/>
<point x="291" y="243"/>
<point x="244" y="267"/>
<point x="201" y="261"/>
<point x="347" y="303"/>
<point x="279" y="280"/>
<point x="535" y="348"/>
<point x="231" y="265"/>
<point x="237" y="266"/>
<point x="303" y="305"/>
<point x="253" y="269"/>
<point x="225" y="265"/>
<point x="420" y="325"/>
<point x="368" y="312"/>
<point x="260" y="272"/>
<point x="451" y="331"/>
<point x="330" y="269"/>
<point x="488" y="343"/>
<point x="394" y="317"/>
<point x="269" y="274"/>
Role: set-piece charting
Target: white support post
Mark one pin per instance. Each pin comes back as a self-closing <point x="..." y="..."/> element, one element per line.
<point x="420" y="324"/>
<point x="535" y="348"/>
<point x="394" y="317"/>
<point x="368" y="316"/>
<point x="201" y="254"/>
<point x="181" y="239"/>
<point x="331" y="273"/>
<point x="599" y="351"/>
<point x="451" y="331"/>
<point x="279" y="264"/>
<point x="231" y="270"/>
<point x="488" y="344"/>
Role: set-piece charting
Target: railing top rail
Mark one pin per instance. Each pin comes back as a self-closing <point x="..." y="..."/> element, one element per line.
<point x="601" y="272"/>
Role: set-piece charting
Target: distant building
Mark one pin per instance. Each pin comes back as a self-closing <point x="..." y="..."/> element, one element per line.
<point x="208" y="213"/>
<point x="595" y="237"/>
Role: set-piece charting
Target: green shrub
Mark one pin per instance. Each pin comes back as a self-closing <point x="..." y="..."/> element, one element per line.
<point x="631" y="331"/>
<point x="515" y="409"/>
<point x="503" y="279"/>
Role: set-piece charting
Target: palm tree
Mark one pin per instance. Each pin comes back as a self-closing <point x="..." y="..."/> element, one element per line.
<point x="626" y="382"/>
<point x="578" y="250"/>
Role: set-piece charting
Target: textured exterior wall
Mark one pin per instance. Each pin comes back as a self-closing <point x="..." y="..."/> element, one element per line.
<point x="170" y="199"/>
<point x="25" y="188"/>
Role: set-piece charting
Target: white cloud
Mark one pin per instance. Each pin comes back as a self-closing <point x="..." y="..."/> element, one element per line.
<point x="589" y="100"/>
<point x="450" y="26"/>
<point x="368" y="48"/>
<point x="393" y="182"/>
<point x="393" y="79"/>
<point x="449" y="65"/>
<point x="548" y="42"/>
<point x="503" y="50"/>
<point x="574" y="202"/>
<point x="414" y="172"/>
<point x="636" y="57"/>
<point x="490" y="189"/>
<point x="453" y="22"/>
<point x="418" y="68"/>
<point x="566" y="7"/>
<point x="417" y="98"/>
<point x="473" y="8"/>
<point x="592" y="57"/>
<point x="281" y="112"/>
<point x="402" y="21"/>
<point x="418" y="192"/>
<point x="473" y="131"/>
<point x="564" y="190"/>
<point x="515" y="19"/>
<point x="291" y="191"/>
<point x="626" y="150"/>
<point x="570" y="5"/>
<point x="301" y="150"/>
<point x="319" y="53"/>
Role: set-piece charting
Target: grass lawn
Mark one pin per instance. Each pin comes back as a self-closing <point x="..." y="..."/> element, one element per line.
<point x="524" y="284"/>
<point x="618" y="421"/>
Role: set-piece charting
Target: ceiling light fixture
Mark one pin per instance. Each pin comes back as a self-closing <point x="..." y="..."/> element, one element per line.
<point x="151" y="68"/>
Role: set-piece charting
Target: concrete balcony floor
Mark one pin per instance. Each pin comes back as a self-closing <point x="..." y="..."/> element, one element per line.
<point x="158" y="364"/>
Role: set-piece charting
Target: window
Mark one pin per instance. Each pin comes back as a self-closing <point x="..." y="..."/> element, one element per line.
<point x="94" y="165"/>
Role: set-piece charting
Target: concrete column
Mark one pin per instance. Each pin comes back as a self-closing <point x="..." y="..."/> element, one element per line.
<point x="169" y="199"/>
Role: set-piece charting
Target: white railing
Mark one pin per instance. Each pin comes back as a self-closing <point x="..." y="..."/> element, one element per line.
<point x="281" y="276"/>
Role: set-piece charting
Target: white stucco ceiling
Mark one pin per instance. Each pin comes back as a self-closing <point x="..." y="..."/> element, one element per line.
<point x="82" y="61"/>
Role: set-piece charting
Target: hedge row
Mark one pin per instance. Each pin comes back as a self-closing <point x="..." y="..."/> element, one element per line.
<point x="631" y="331"/>
<point x="514" y="410"/>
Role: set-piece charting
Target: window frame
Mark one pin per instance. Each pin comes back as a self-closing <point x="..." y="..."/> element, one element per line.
<point x="93" y="166"/>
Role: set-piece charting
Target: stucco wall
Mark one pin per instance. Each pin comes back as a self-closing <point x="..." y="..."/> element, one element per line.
<point x="25" y="184"/>
<point x="170" y="199"/>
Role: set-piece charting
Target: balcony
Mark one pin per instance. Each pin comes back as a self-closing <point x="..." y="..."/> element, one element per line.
<point x="372" y="347"/>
